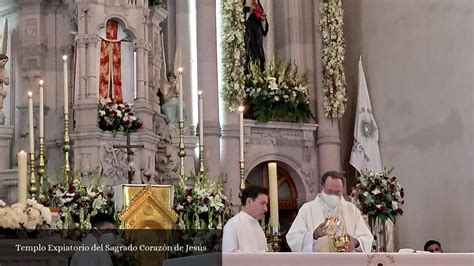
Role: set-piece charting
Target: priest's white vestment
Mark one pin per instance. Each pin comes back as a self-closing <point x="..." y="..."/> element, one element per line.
<point x="243" y="233"/>
<point x="311" y="215"/>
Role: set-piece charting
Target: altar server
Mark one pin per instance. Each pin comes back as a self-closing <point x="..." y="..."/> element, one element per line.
<point x="243" y="231"/>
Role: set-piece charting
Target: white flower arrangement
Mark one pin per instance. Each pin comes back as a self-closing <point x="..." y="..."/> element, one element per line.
<point x="233" y="53"/>
<point x="201" y="205"/>
<point x="334" y="80"/>
<point x="30" y="216"/>
<point x="278" y="93"/>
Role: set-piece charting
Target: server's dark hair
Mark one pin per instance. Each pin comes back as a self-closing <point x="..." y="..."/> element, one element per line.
<point x="252" y="192"/>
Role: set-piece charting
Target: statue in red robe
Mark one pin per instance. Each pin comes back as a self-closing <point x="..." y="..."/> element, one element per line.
<point x="110" y="78"/>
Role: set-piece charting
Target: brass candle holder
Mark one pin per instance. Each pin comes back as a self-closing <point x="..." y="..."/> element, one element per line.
<point x="201" y="158"/>
<point x="181" y="152"/>
<point x="32" y="187"/>
<point x="66" y="149"/>
<point x="41" y="166"/>
<point x="275" y="239"/>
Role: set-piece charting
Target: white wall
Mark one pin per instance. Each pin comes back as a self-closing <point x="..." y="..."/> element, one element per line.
<point x="419" y="64"/>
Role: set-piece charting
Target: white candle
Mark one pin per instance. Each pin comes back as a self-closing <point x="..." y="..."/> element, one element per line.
<point x="241" y="132"/>
<point x="22" y="176"/>
<point x="66" y="97"/>
<point x="273" y="190"/>
<point x="41" y="110"/>
<point x="201" y="123"/>
<point x="180" y="91"/>
<point x="32" y="130"/>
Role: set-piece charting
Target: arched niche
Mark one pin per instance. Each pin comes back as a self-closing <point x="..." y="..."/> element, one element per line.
<point x="125" y="37"/>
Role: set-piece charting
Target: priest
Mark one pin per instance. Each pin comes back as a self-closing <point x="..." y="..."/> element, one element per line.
<point x="309" y="231"/>
<point x="243" y="231"/>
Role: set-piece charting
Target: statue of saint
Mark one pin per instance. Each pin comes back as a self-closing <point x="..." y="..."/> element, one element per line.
<point x="169" y="99"/>
<point x="256" y="27"/>
<point x="110" y="75"/>
<point x="4" y="80"/>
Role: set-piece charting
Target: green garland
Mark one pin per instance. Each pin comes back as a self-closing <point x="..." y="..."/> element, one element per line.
<point x="233" y="53"/>
<point x="334" y="80"/>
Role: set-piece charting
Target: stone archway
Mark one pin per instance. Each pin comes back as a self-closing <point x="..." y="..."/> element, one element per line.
<point x="293" y="168"/>
<point x="287" y="191"/>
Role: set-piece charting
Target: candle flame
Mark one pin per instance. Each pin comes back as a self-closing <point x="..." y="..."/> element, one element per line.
<point x="30" y="94"/>
<point x="64" y="57"/>
<point x="22" y="151"/>
<point x="200" y="93"/>
<point x="241" y="108"/>
<point x="41" y="82"/>
<point x="180" y="70"/>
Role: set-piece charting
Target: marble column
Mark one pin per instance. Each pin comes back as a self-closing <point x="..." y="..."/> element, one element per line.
<point x="328" y="137"/>
<point x="269" y="40"/>
<point x="182" y="56"/>
<point x="92" y="72"/>
<point x="207" y="82"/>
<point x="82" y="40"/>
<point x="82" y="65"/>
<point x="230" y="154"/>
<point x="6" y="137"/>
<point x="140" y="48"/>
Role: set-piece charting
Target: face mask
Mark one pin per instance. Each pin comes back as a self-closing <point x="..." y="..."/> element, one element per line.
<point x="107" y="239"/>
<point x="331" y="200"/>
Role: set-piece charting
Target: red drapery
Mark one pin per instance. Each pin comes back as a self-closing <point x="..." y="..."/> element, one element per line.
<point x="110" y="79"/>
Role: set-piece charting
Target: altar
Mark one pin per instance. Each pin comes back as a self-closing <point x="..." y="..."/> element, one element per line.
<point x="329" y="259"/>
<point x="336" y="259"/>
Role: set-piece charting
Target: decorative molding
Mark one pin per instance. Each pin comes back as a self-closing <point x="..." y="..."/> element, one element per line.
<point x="115" y="164"/>
<point x="30" y="34"/>
<point x="381" y="259"/>
<point x="291" y="143"/>
<point x="93" y="40"/>
<point x="139" y="44"/>
<point x="116" y="10"/>
<point x="82" y="41"/>
<point x="281" y="134"/>
<point x="308" y="178"/>
<point x="166" y="158"/>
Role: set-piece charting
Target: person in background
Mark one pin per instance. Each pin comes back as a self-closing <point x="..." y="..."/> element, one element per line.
<point x="256" y="27"/>
<point x="433" y="246"/>
<point x="101" y="233"/>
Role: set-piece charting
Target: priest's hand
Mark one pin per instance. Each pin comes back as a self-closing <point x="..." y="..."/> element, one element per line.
<point x="352" y="245"/>
<point x="320" y="231"/>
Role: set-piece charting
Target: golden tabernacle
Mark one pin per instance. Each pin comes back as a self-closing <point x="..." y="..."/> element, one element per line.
<point x="145" y="206"/>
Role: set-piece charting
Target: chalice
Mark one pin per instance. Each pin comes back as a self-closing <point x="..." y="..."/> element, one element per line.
<point x="340" y="242"/>
<point x="332" y="225"/>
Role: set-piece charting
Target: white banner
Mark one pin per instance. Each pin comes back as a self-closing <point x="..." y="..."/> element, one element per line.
<point x="365" y="150"/>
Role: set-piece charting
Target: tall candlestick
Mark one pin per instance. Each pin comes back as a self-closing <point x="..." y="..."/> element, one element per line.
<point x="201" y="133"/>
<point x="66" y="96"/>
<point x="201" y="124"/>
<point x="180" y="91"/>
<point x="41" y="110"/>
<point x="241" y="131"/>
<point x="22" y="176"/>
<point x="273" y="189"/>
<point x="32" y="132"/>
